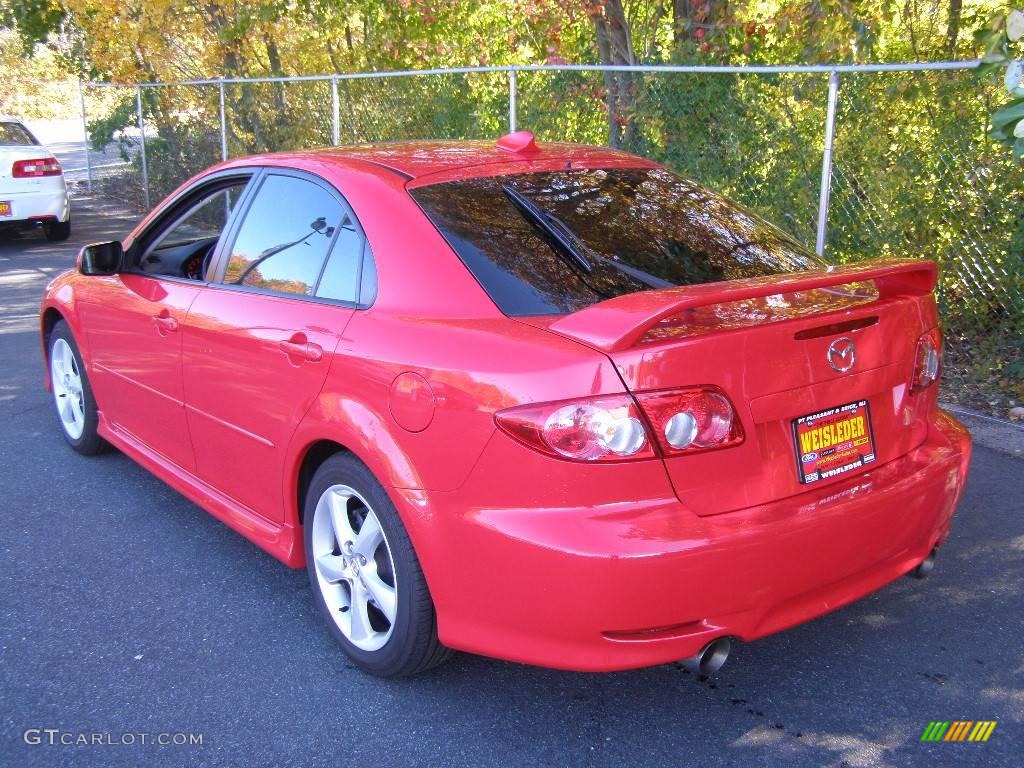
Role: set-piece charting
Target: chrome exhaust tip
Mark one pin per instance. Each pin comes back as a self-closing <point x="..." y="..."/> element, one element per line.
<point x="710" y="658"/>
<point x="925" y="567"/>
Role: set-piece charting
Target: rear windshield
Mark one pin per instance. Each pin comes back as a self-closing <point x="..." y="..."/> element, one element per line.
<point x="13" y="134"/>
<point x="635" y="228"/>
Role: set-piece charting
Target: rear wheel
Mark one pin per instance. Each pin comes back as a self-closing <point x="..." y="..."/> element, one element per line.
<point x="365" y="575"/>
<point x="72" y="395"/>
<point x="57" y="230"/>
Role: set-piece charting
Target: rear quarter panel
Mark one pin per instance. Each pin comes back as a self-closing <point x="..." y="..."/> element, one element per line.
<point x="432" y="319"/>
<point x="473" y="368"/>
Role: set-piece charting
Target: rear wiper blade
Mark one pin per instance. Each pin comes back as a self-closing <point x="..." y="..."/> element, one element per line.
<point x="573" y="245"/>
<point x="637" y="274"/>
<point x="549" y="226"/>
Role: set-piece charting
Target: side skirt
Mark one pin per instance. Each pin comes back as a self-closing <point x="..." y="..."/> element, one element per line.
<point x="282" y="541"/>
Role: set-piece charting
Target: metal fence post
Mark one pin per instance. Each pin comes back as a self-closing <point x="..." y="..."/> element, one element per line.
<point x="85" y="136"/>
<point x="142" y="145"/>
<point x="512" y="98"/>
<point x="826" y="162"/>
<point x="335" y="112"/>
<point x="223" y="126"/>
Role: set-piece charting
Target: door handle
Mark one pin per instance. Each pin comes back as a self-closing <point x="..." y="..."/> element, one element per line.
<point x="308" y="351"/>
<point x="166" y="323"/>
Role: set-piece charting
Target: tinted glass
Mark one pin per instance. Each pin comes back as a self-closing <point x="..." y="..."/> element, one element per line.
<point x="12" y="134"/>
<point x="340" y="279"/>
<point x="207" y="218"/>
<point x="640" y="228"/>
<point x="285" y="236"/>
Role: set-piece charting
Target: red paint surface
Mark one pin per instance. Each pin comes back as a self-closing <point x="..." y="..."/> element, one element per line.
<point x="530" y="557"/>
<point x="411" y="402"/>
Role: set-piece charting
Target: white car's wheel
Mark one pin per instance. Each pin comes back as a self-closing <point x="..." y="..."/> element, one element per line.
<point x="72" y="395"/>
<point x="365" y="574"/>
<point x="56" y="231"/>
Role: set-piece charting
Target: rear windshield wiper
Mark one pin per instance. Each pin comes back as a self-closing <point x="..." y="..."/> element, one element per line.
<point x="637" y="274"/>
<point x="572" y="245"/>
<point x="550" y="226"/>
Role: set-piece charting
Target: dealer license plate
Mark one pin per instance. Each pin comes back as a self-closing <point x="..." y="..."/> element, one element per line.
<point x="5" y="208"/>
<point x="833" y="442"/>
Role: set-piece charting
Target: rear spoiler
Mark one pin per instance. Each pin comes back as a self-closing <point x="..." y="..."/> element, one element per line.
<point x="619" y="323"/>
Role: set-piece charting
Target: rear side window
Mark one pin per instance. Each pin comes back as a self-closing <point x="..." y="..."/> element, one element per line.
<point x="340" y="278"/>
<point x="15" y="135"/>
<point x="635" y="229"/>
<point x="285" y="237"/>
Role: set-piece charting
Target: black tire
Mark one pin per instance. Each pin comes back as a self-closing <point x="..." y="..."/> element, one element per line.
<point x="89" y="443"/>
<point x="57" y="231"/>
<point x="413" y="646"/>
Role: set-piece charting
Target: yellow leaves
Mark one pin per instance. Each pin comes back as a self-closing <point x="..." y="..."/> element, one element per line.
<point x="36" y="87"/>
<point x="132" y="40"/>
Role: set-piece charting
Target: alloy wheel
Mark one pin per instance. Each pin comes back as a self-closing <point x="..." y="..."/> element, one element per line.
<point x="354" y="567"/>
<point x="66" y="381"/>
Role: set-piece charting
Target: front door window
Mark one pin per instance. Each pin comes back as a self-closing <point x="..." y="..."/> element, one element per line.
<point x="284" y="240"/>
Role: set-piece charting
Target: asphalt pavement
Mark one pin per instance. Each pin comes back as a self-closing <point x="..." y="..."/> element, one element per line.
<point x="73" y="155"/>
<point x="127" y="610"/>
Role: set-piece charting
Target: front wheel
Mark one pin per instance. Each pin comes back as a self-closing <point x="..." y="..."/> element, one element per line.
<point x="72" y="394"/>
<point x="365" y="575"/>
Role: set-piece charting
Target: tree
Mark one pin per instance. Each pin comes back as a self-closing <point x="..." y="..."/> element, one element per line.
<point x="697" y="19"/>
<point x="615" y="46"/>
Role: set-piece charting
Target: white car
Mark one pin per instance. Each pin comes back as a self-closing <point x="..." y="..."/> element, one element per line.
<point x="32" y="188"/>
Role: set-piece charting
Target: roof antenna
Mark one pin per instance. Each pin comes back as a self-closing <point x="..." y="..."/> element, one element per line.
<point x="519" y="142"/>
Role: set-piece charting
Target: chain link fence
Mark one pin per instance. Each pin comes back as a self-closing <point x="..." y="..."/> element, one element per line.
<point x="890" y="161"/>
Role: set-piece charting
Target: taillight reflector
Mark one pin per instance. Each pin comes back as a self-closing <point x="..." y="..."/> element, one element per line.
<point x="42" y="166"/>
<point x="927" y="360"/>
<point x="692" y="419"/>
<point x="604" y="428"/>
<point x="619" y="427"/>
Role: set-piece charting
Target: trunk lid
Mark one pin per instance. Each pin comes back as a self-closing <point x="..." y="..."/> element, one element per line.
<point x="9" y="154"/>
<point x="765" y="342"/>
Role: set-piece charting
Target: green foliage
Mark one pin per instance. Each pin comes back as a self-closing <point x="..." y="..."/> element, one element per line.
<point x="999" y="40"/>
<point x="102" y="130"/>
<point x="35" y="20"/>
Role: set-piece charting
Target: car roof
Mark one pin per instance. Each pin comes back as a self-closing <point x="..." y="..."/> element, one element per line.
<point x="417" y="159"/>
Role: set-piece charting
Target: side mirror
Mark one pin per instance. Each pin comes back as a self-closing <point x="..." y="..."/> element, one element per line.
<point x="101" y="258"/>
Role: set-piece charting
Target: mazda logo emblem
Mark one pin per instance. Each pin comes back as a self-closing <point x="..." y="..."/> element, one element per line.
<point x="841" y="355"/>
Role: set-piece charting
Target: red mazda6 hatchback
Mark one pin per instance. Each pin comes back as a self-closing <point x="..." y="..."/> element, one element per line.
<point x="547" y="403"/>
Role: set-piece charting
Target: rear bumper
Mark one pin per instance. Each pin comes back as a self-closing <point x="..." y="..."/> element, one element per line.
<point x="615" y="586"/>
<point x="27" y="208"/>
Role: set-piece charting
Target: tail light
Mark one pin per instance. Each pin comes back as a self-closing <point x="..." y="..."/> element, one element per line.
<point x="43" y="166"/>
<point x="928" y="360"/>
<point x="614" y="428"/>
<point x="689" y="420"/>
<point x="606" y="428"/>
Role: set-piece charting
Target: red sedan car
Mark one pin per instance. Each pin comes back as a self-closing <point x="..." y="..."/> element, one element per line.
<point x="547" y="403"/>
